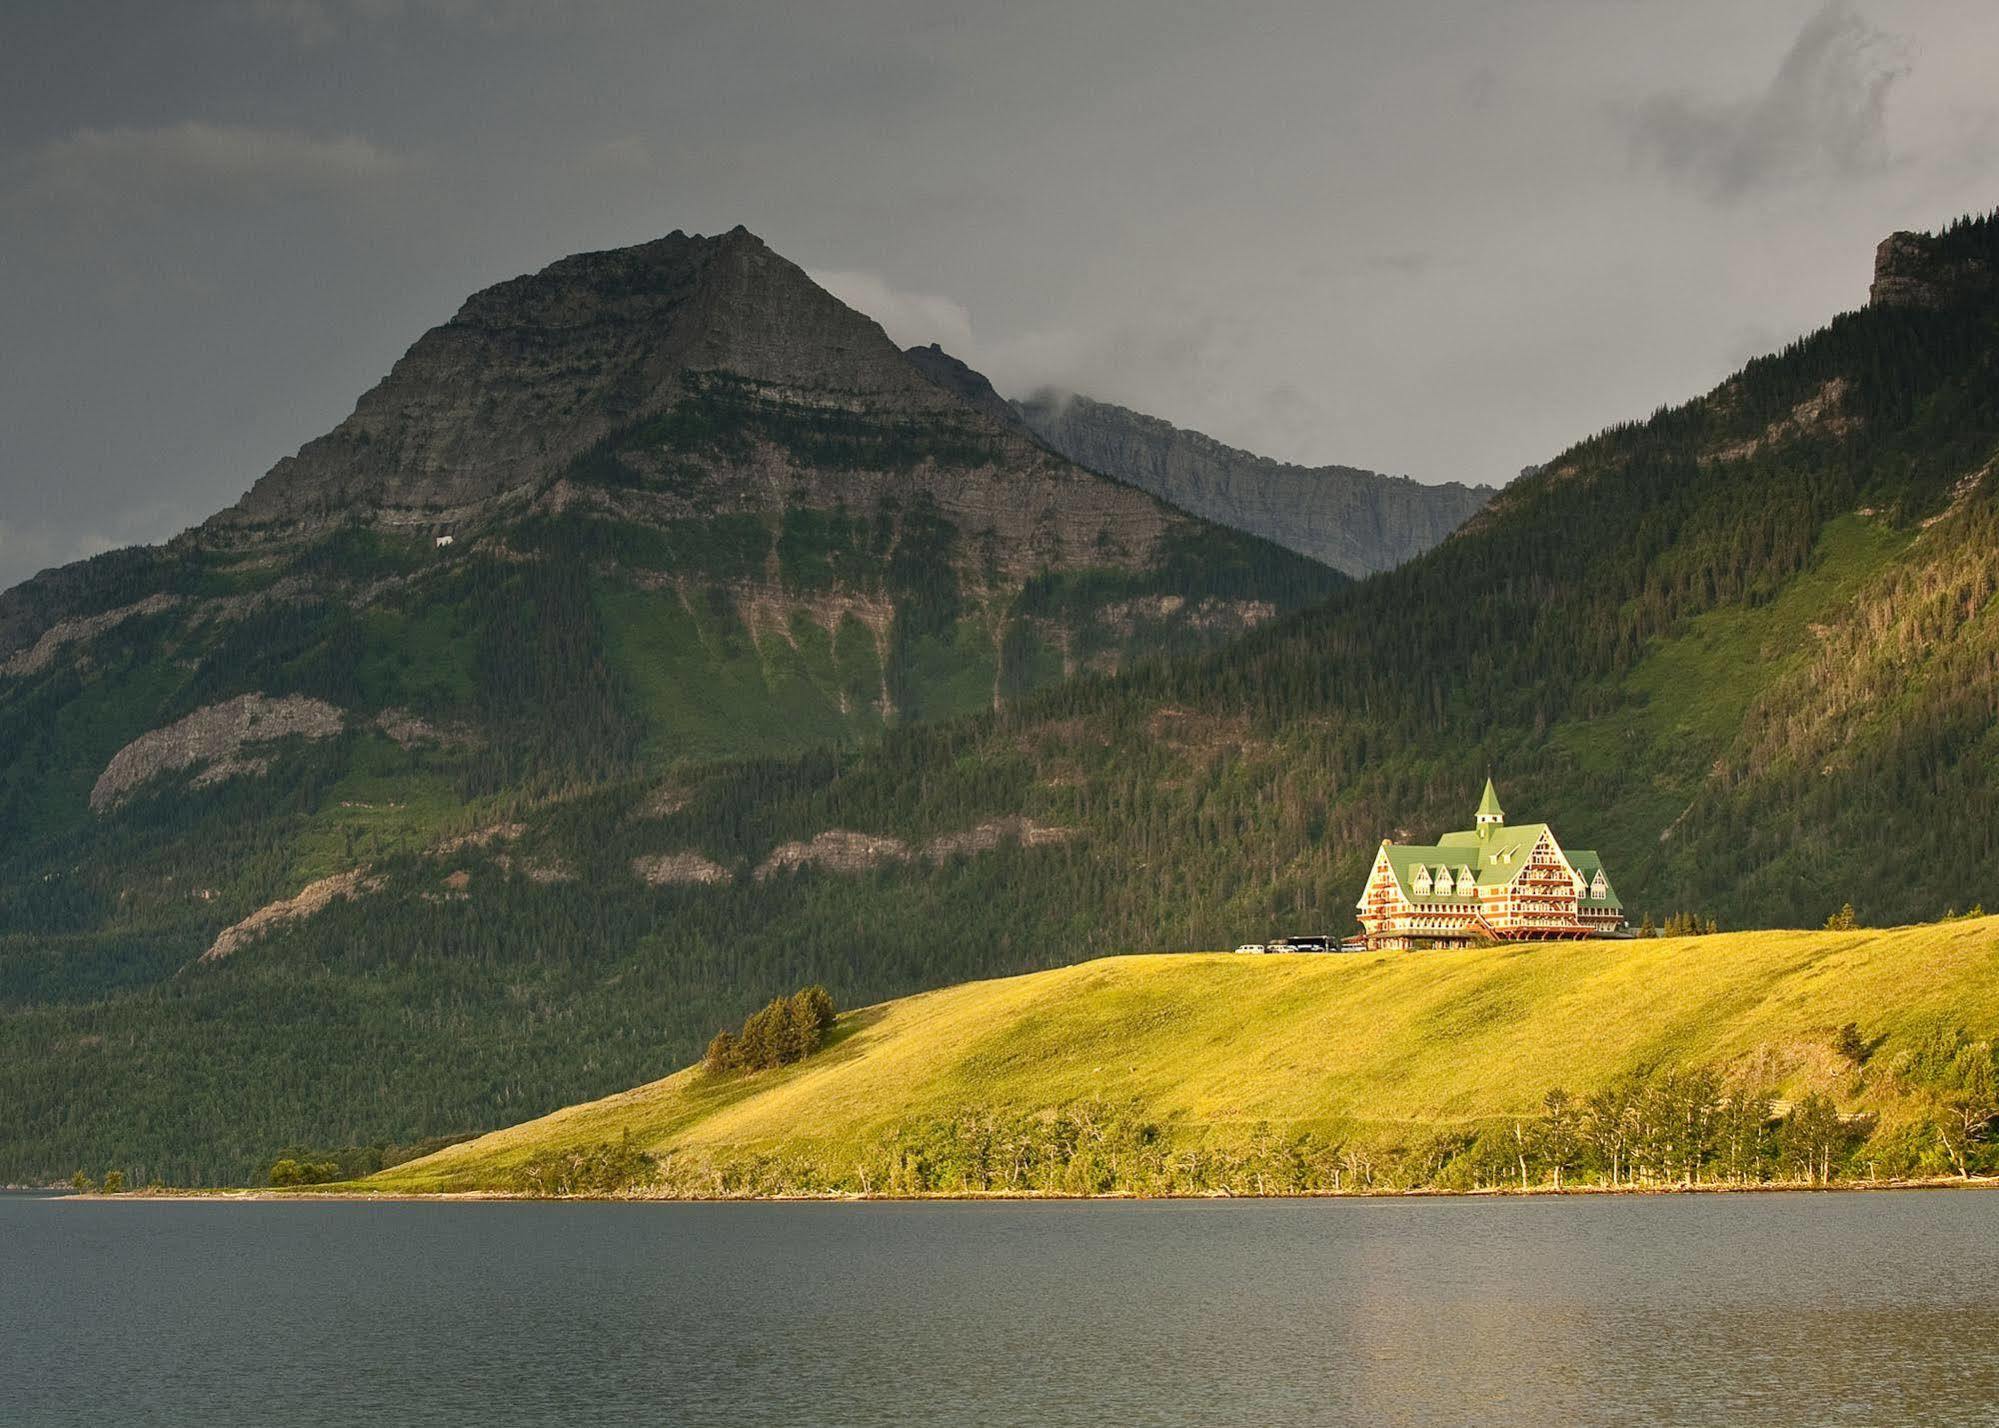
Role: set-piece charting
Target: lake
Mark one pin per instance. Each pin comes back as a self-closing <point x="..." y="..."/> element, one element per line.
<point x="1878" y="1308"/>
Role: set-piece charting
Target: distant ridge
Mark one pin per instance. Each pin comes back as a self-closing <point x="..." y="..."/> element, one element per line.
<point x="1356" y="521"/>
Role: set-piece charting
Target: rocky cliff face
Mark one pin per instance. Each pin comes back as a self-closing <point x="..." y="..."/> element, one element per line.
<point x="1928" y="270"/>
<point x="1356" y="521"/>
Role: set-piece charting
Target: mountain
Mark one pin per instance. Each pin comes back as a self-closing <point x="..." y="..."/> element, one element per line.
<point x="1356" y="521"/>
<point x="1200" y="1074"/>
<point x="611" y="522"/>
<point x="1747" y="648"/>
<point x="762" y="488"/>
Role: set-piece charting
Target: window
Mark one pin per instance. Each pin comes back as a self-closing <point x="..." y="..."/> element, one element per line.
<point x="1422" y="882"/>
<point x="1599" y="889"/>
<point x="1443" y="883"/>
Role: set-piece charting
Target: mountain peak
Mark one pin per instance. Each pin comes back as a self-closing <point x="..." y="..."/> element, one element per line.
<point x="531" y="372"/>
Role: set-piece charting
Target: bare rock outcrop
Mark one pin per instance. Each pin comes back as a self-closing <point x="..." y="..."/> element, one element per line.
<point x="216" y="741"/>
<point x="675" y="869"/>
<point x="1823" y="413"/>
<point x="1926" y="270"/>
<point x="309" y="900"/>
<point x="409" y="731"/>
<point x="841" y="850"/>
<point x="40" y="655"/>
<point x="1212" y="614"/>
<point x="989" y="835"/>
<point x="838" y="850"/>
<point x="478" y="838"/>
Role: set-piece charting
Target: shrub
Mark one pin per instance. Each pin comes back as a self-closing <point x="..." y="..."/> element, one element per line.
<point x="607" y="1168"/>
<point x="1848" y="1042"/>
<point x="298" y="1170"/>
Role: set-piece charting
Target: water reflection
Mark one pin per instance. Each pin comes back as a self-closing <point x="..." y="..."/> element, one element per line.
<point x="1822" y="1309"/>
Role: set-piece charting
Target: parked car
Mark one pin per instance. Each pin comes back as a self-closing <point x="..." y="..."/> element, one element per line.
<point x="1313" y="942"/>
<point x="1252" y="947"/>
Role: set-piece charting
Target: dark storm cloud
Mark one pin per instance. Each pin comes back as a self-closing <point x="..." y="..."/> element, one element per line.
<point x="1823" y="117"/>
<point x="1393" y="233"/>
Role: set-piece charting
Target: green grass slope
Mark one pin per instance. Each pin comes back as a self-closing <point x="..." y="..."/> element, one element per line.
<point x="1216" y="1050"/>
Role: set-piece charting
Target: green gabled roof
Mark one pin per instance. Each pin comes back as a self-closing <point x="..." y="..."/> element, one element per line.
<point x="1489" y="804"/>
<point x="1486" y="857"/>
<point x="1588" y="863"/>
<point x="1494" y="855"/>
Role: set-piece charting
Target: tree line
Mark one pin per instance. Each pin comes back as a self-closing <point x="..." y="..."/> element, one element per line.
<point x="1683" y="1127"/>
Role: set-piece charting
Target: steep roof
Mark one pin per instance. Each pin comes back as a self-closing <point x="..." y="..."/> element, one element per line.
<point x="1493" y="853"/>
<point x="1493" y="860"/>
<point x="1588" y="863"/>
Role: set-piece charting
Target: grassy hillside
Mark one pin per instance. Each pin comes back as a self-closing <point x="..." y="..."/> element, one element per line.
<point x="1214" y="1051"/>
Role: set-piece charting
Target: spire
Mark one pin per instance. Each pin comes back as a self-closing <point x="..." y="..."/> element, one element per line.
<point x="1490" y="814"/>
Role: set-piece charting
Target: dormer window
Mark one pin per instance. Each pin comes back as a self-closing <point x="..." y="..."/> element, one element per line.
<point x="1422" y="882"/>
<point x="1600" y="888"/>
<point x="1465" y="879"/>
<point x="1443" y="883"/>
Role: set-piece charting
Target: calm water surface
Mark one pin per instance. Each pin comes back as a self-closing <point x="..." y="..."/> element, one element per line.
<point x="1825" y="1309"/>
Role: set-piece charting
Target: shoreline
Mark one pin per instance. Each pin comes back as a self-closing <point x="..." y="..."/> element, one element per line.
<point x="272" y="1195"/>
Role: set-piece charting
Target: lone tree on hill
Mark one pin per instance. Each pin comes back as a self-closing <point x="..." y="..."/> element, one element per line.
<point x="783" y="1030"/>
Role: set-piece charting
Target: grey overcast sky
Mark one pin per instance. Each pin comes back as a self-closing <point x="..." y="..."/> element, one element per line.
<point x="1428" y="236"/>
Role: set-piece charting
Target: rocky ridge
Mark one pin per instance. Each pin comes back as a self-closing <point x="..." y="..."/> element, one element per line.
<point x="1356" y="521"/>
<point x="1925" y="270"/>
